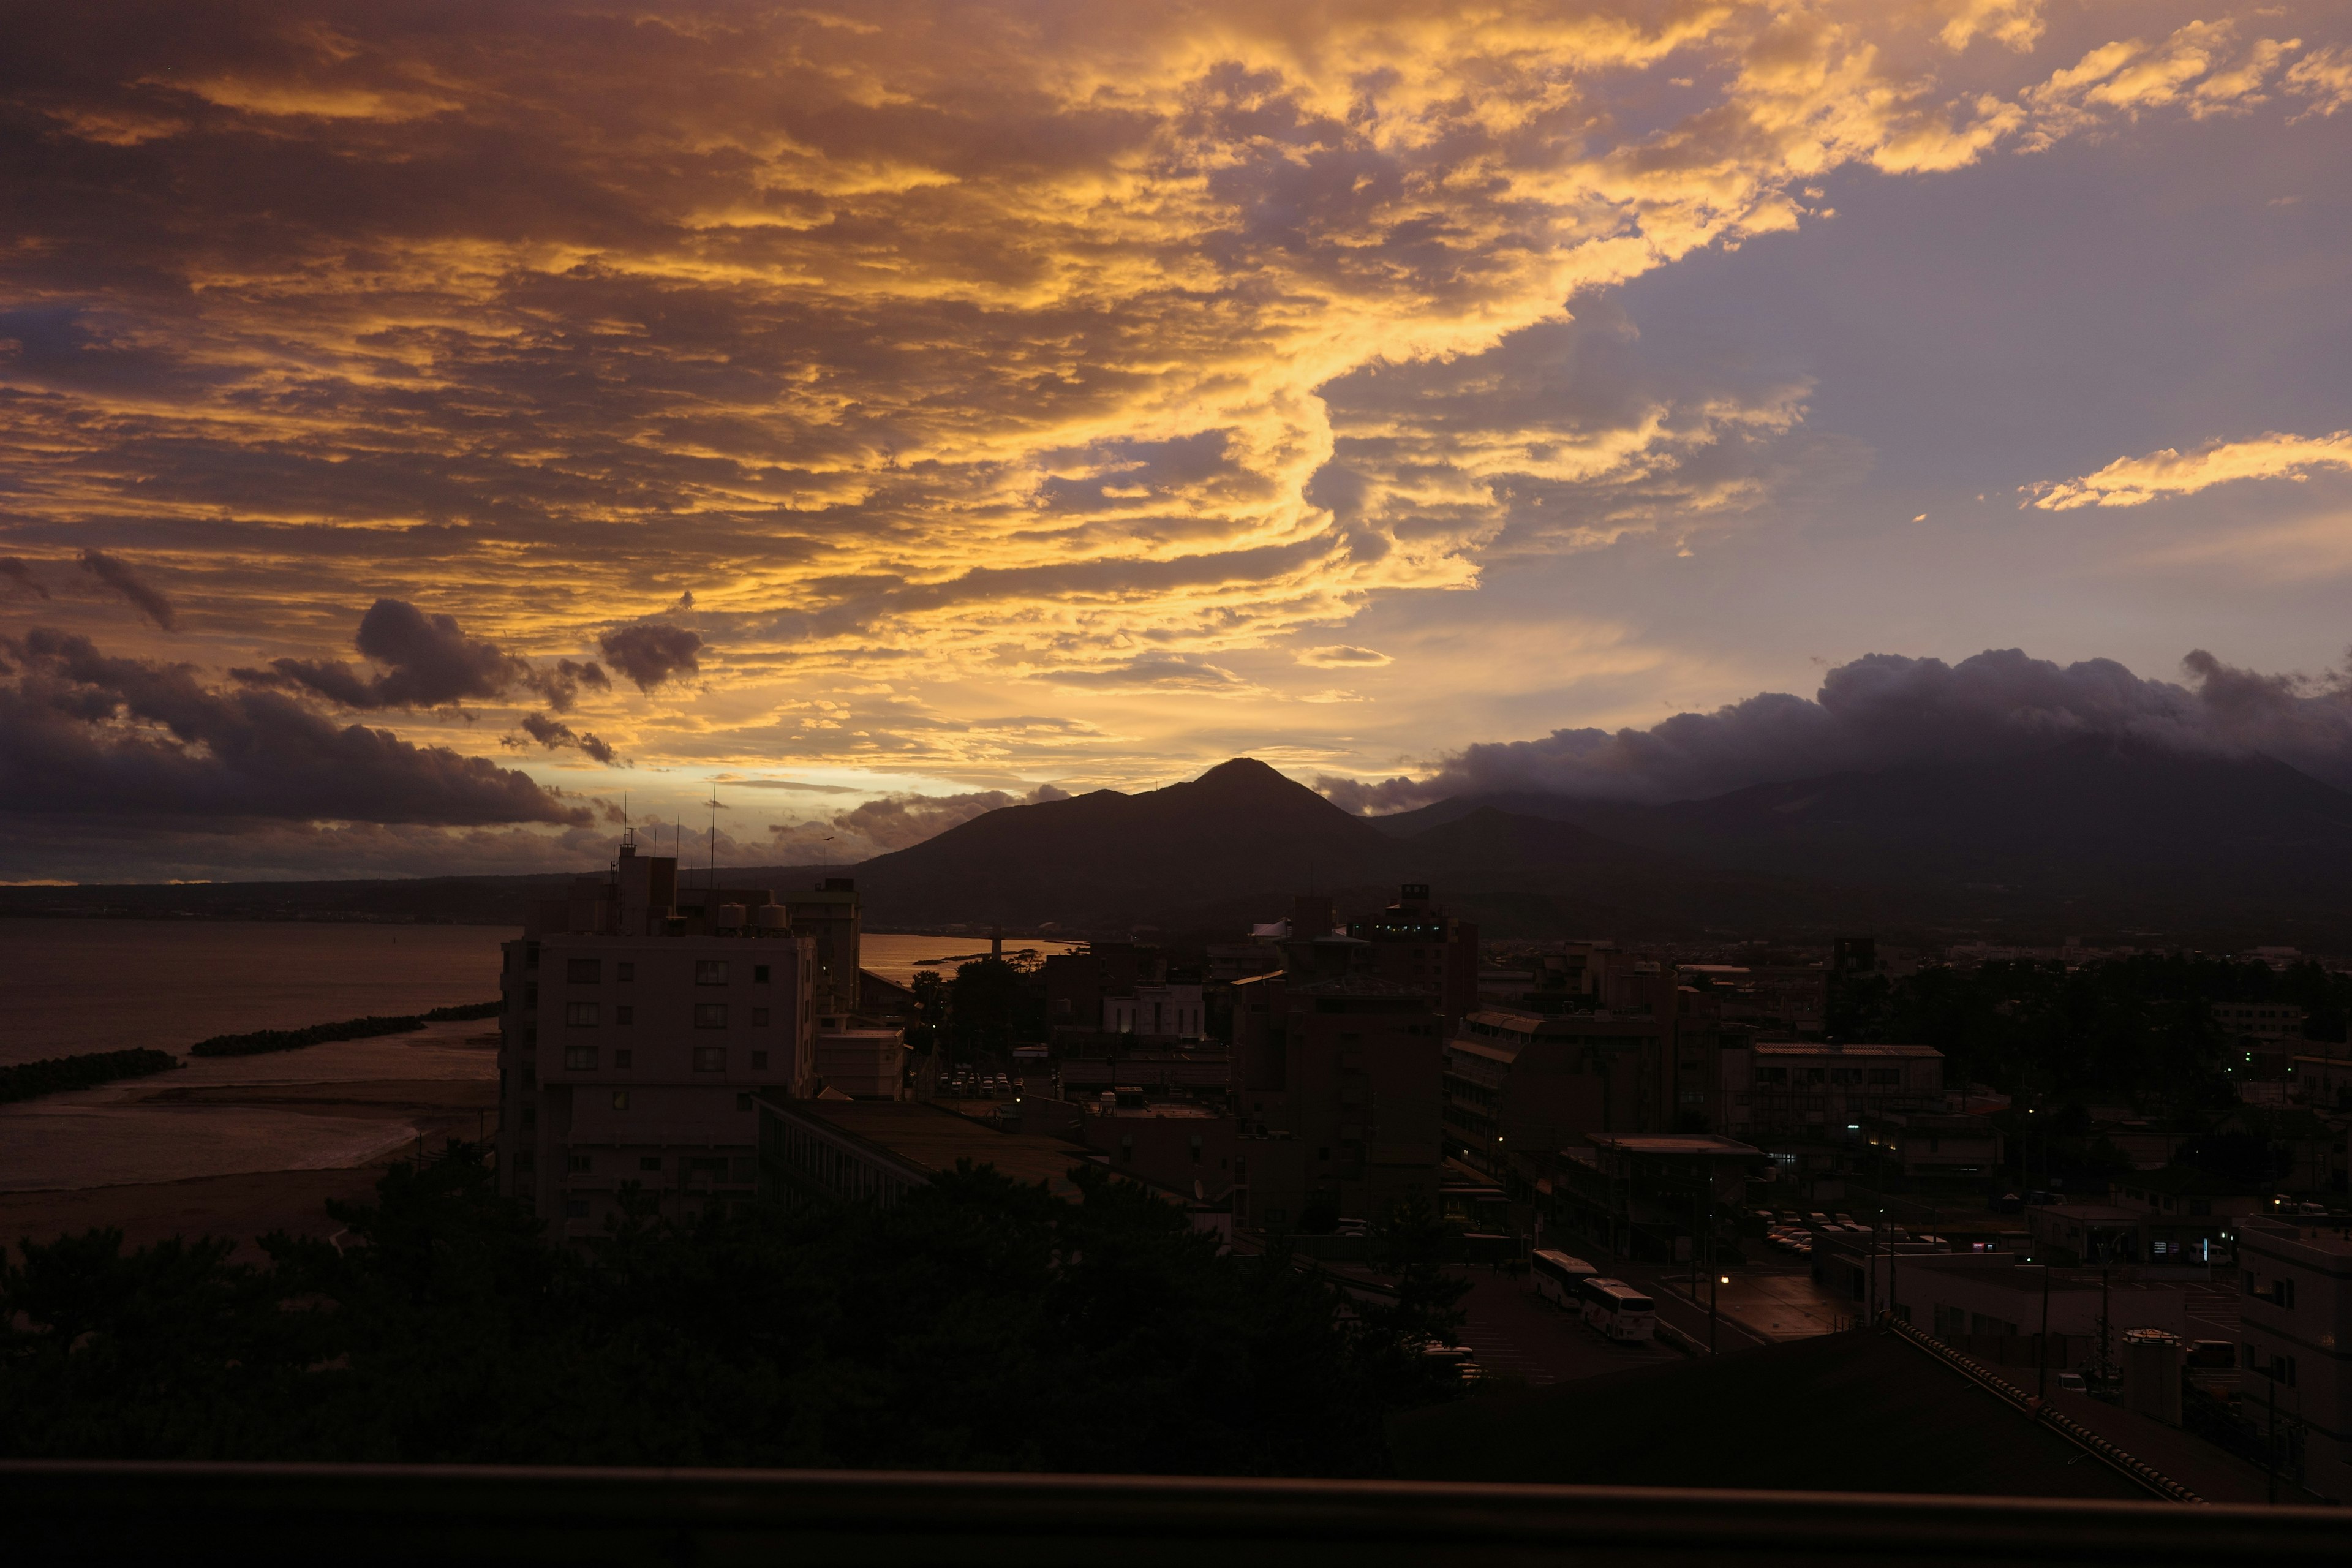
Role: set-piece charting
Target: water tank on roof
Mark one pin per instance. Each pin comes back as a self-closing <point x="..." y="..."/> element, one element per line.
<point x="730" y="918"/>
<point x="770" y="917"/>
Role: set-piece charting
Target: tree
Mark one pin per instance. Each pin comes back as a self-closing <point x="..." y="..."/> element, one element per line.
<point x="979" y="1323"/>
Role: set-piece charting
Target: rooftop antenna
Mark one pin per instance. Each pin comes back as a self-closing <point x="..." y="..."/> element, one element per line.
<point x="713" y="887"/>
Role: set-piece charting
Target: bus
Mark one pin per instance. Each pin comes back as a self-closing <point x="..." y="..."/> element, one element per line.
<point x="1555" y="1276"/>
<point x="1617" y="1309"/>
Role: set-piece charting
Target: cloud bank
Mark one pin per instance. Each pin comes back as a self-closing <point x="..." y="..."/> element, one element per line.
<point x="1885" y="710"/>
<point x="2135" y="481"/>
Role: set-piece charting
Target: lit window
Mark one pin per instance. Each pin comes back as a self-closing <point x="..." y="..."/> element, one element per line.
<point x="620" y="1100"/>
<point x="710" y="1014"/>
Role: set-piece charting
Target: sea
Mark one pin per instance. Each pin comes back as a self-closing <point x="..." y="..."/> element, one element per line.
<point x="68" y="986"/>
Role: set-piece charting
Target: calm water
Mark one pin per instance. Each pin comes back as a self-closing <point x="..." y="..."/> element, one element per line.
<point x="900" y="958"/>
<point x="68" y="986"/>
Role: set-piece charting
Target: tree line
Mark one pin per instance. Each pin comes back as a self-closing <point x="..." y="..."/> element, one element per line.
<point x="977" y="1324"/>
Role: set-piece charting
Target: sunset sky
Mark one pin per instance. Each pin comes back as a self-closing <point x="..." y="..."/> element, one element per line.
<point x="421" y="424"/>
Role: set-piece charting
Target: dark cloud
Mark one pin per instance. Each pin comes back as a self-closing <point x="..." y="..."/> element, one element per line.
<point x="1885" y="710"/>
<point x="117" y="575"/>
<point x="895" y="822"/>
<point x="557" y="736"/>
<point x="16" y="571"/>
<point x="428" y="663"/>
<point x="560" y="683"/>
<point x="83" y="734"/>
<point x="650" y="653"/>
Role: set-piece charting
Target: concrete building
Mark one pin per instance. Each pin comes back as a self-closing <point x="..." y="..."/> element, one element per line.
<point x="1777" y="1090"/>
<point x="634" y="1038"/>
<point x="1933" y="1142"/>
<point x="864" y="1061"/>
<point x="1164" y="1011"/>
<point x="1332" y="1053"/>
<point x="2186" y="1215"/>
<point x="2295" y="1317"/>
<point x="1956" y="1296"/>
<point x="828" y="914"/>
<point x="1644" y="1195"/>
<point x="1414" y="943"/>
<point x="2259" y="1020"/>
<point x="1537" y="1082"/>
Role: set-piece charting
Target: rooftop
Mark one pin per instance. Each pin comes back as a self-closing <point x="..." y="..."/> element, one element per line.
<point x="1789" y="1049"/>
<point x="933" y="1139"/>
<point x="1686" y="1144"/>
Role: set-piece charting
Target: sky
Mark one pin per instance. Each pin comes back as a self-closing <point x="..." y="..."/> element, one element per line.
<point x="431" y="435"/>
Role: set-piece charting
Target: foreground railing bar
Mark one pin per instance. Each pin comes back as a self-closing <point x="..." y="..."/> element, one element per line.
<point x="258" y="1514"/>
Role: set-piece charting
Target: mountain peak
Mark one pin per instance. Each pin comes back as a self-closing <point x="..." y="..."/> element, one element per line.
<point x="1244" y="772"/>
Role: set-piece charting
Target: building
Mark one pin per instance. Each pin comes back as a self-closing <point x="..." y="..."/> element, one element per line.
<point x="2294" y="1322"/>
<point x="860" y="1059"/>
<point x="1788" y="1091"/>
<point x="1516" y="1080"/>
<point x="1643" y="1195"/>
<point x="2187" y="1215"/>
<point x="633" y="1040"/>
<point x="813" y="1150"/>
<point x="1334" y="1055"/>
<point x="828" y="914"/>
<point x="1935" y="1142"/>
<point x="1165" y="1011"/>
<point x="2259" y="1020"/>
<point x="1960" y="1296"/>
<point x="1414" y="943"/>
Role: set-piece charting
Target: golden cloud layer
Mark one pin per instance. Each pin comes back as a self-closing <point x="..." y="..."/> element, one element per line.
<point x="2135" y="481"/>
<point x="925" y="344"/>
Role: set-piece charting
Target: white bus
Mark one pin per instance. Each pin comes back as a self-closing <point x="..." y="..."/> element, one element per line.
<point x="1617" y="1309"/>
<point x="1555" y="1276"/>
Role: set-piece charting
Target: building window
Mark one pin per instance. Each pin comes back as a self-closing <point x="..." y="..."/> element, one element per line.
<point x="1887" y="1077"/>
<point x="625" y="972"/>
<point x="579" y="1058"/>
<point x="583" y="970"/>
<point x="625" y="1014"/>
<point x="575" y="1208"/>
<point x="742" y="1103"/>
<point x="581" y="1015"/>
<point x="625" y="1059"/>
<point x="531" y="956"/>
<point x="710" y="972"/>
<point x="759" y="974"/>
<point x="710" y="1014"/>
<point x="759" y="1061"/>
<point x="1845" y="1075"/>
<point x="649" y="1161"/>
<point x="711" y="1058"/>
<point x="578" y="1165"/>
<point x="620" y="1100"/>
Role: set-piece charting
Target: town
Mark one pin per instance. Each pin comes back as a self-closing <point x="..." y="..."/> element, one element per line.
<point x="1688" y="1152"/>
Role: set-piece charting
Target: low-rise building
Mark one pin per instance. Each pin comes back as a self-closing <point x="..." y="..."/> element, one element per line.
<point x="1959" y="1295"/>
<point x="864" y="1061"/>
<point x="2295" y="1315"/>
<point x="2188" y="1214"/>
<point x="1935" y="1142"/>
<point x="1643" y="1195"/>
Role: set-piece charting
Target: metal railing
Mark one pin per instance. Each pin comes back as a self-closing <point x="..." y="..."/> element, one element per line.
<point x="258" y="1515"/>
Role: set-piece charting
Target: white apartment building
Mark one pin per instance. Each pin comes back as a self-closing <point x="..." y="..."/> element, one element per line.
<point x="1161" y="1010"/>
<point x="2295" y="1317"/>
<point x="633" y="1041"/>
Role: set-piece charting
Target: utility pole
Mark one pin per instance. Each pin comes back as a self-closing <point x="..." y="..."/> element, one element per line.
<point x="2042" y="1380"/>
